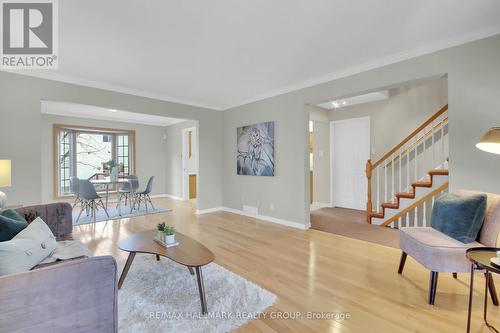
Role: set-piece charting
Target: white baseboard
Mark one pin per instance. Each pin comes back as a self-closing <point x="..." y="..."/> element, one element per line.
<point x="259" y="217"/>
<point x="321" y="204"/>
<point x="208" y="210"/>
<point x="171" y="196"/>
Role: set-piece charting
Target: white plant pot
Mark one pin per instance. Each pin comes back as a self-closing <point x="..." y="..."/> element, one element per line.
<point x="160" y="235"/>
<point x="170" y="239"/>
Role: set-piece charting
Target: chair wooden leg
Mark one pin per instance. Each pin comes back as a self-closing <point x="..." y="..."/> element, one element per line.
<point x="402" y="262"/>
<point x="493" y="290"/>
<point x="455" y="275"/>
<point x="432" y="287"/>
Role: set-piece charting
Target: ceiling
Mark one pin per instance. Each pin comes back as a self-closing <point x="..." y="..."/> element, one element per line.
<point x="223" y="53"/>
<point x="95" y="112"/>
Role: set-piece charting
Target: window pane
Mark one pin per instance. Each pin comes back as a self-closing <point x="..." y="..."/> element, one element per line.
<point x="92" y="151"/>
<point x="65" y="160"/>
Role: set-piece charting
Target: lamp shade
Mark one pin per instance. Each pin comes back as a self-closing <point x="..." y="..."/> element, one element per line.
<point x="5" y="172"/>
<point x="490" y="141"/>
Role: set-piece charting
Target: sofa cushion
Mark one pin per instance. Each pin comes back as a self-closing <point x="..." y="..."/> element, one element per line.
<point x="435" y="250"/>
<point x="460" y="217"/>
<point x="11" y="223"/>
<point x="67" y="250"/>
<point x="27" y="249"/>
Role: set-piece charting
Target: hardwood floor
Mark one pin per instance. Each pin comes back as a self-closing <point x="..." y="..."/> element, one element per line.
<point x="313" y="271"/>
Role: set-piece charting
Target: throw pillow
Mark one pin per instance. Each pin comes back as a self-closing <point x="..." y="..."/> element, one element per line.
<point x="27" y="249"/>
<point x="459" y="217"/>
<point x="11" y="223"/>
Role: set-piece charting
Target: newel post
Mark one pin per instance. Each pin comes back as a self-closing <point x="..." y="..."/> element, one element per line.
<point x="368" y="171"/>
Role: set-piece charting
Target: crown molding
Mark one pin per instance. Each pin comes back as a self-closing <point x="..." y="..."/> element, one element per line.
<point x="53" y="76"/>
<point x="381" y="62"/>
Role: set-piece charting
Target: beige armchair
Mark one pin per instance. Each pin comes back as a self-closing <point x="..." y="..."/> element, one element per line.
<point x="442" y="254"/>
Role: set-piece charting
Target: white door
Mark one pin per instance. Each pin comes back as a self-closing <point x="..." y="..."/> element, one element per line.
<point x="350" y="149"/>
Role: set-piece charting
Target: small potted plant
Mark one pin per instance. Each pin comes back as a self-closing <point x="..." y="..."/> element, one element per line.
<point x="169" y="234"/>
<point x="161" y="231"/>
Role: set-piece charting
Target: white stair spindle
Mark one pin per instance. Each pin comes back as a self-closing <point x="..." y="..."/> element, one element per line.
<point x="399" y="167"/>
<point x="378" y="188"/>
<point x="415" y="160"/>
<point x="443" y="157"/>
<point x="424" y="214"/>
<point x="408" y="168"/>
<point x="433" y="147"/>
<point x="416" y="216"/>
<point x="385" y="180"/>
<point x="393" y="178"/>
<point x="424" y="166"/>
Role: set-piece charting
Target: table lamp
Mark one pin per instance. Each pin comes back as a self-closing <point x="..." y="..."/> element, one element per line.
<point x="5" y="180"/>
<point x="490" y="141"/>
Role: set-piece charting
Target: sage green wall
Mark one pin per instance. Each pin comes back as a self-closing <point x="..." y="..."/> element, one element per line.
<point x="473" y="92"/>
<point x="174" y="156"/>
<point x="391" y="120"/>
<point x="473" y="84"/>
<point x="150" y="147"/>
<point x="21" y="131"/>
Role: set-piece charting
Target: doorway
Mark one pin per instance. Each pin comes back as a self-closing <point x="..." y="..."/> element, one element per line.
<point x="189" y="163"/>
<point x="350" y="149"/>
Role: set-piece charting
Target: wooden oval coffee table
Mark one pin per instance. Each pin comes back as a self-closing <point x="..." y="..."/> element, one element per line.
<point x="189" y="253"/>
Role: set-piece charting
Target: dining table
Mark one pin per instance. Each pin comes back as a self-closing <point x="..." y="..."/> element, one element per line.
<point x="107" y="182"/>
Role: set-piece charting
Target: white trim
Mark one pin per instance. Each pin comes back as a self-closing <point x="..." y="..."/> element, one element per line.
<point x="374" y="64"/>
<point x="332" y="151"/>
<point x="321" y="204"/>
<point x="208" y="210"/>
<point x="184" y="160"/>
<point x="265" y="218"/>
<point x="381" y="62"/>
<point x="53" y="76"/>
<point x="76" y="110"/>
<point x="171" y="196"/>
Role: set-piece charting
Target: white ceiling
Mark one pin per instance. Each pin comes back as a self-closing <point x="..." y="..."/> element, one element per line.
<point x="94" y="112"/>
<point x="222" y="53"/>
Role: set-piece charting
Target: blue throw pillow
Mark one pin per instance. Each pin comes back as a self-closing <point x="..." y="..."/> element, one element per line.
<point x="459" y="217"/>
<point x="11" y="223"/>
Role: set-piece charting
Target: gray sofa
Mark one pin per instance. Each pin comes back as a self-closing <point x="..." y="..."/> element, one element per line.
<point x="77" y="296"/>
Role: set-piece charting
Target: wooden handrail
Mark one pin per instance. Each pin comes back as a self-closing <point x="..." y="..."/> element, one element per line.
<point x="410" y="147"/>
<point x="409" y="137"/>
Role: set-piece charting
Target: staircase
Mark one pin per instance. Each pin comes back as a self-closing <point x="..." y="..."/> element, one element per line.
<point x="403" y="183"/>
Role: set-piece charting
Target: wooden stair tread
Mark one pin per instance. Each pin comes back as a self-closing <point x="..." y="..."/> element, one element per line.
<point x="439" y="172"/>
<point x="390" y="205"/>
<point x="406" y="195"/>
<point x="422" y="183"/>
<point x="377" y="215"/>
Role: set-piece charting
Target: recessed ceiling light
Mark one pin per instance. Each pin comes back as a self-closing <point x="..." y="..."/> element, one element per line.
<point x="344" y="103"/>
<point x="113" y="110"/>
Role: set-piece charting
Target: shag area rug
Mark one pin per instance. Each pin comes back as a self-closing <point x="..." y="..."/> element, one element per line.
<point x="162" y="296"/>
